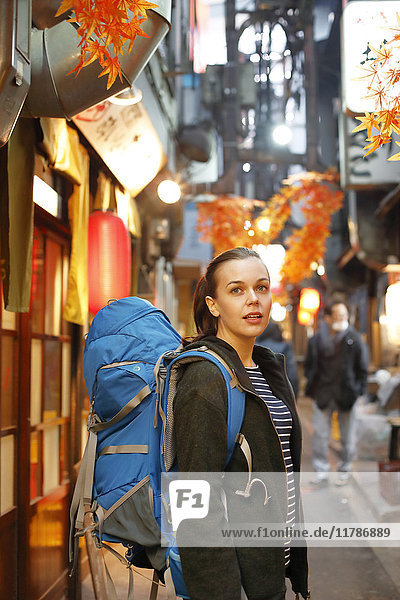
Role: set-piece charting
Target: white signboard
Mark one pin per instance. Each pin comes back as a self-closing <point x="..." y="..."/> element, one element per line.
<point x="192" y="249"/>
<point x="363" y="23"/>
<point x="356" y="171"/>
<point x="126" y="140"/>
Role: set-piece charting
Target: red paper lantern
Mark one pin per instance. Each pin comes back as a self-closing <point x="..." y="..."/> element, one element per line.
<point x="109" y="259"/>
<point x="310" y="300"/>
<point x="304" y="317"/>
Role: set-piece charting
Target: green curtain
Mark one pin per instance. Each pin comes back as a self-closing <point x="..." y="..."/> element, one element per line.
<point x="66" y="155"/>
<point x="61" y="145"/>
<point x="77" y="305"/>
<point x="16" y="215"/>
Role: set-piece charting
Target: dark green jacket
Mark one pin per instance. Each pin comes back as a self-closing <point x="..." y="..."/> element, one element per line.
<point x="200" y="412"/>
<point x="352" y="369"/>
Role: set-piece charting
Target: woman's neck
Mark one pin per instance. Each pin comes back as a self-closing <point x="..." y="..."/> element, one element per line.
<point x="244" y="348"/>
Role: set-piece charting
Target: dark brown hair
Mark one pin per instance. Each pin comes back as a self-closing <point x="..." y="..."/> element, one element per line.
<point x="206" y="323"/>
<point x="335" y="302"/>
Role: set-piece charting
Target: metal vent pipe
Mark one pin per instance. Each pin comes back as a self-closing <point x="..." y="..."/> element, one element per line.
<point x="15" y="69"/>
<point x="55" y="52"/>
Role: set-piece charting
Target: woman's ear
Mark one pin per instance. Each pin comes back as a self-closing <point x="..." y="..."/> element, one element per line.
<point x="212" y="306"/>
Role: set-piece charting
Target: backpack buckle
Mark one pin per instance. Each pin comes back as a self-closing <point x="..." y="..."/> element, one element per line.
<point x="93" y="418"/>
<point x="168" y="357"/>
<point x="162" y="372"/>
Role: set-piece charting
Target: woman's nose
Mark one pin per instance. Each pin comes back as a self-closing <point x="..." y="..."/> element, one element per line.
<point x="252" y="296"/>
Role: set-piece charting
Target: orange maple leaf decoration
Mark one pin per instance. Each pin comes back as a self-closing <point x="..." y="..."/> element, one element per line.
<point x="104" y="27"/>
<point x="319" y="198"/>
<point x="397" y="155"/>
<point x="376" y="142"/>
<point x="368" y="122"/>
<point x="383" y="73"/>
<point x="227" y="221"/>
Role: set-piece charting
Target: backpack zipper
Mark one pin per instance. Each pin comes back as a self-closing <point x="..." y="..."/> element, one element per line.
<point x="123" y="364"/>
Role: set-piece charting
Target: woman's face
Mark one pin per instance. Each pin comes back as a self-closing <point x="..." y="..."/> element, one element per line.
<point x="242" y="299"/>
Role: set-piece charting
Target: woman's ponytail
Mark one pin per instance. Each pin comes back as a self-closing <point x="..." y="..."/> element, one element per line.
<point x="205" y="323"/>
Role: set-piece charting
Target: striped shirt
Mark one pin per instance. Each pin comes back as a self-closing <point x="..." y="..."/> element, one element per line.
<point x="282" y="420"/>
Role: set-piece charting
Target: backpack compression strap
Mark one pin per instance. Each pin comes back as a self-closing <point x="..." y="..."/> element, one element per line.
<point x="82" y="492"/>
<point x="100" y="426"/>
<point x="82" y="496"/>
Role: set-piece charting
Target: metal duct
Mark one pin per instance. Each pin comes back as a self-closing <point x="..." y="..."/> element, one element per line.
<point x="55" y="52"/>
<point x="15" y="73"/>
<point x="43" y="13"/>
<point x="195" y="142"/>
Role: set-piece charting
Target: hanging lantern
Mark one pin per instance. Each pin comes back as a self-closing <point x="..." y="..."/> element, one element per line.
<point x="304" y="317"/>
<point x="310" y="300"/>
<point x="109" y="259"/>
<point x="392" y="303"/>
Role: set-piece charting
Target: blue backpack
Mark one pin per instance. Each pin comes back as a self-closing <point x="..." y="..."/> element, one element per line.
<point x="131" y="362"/>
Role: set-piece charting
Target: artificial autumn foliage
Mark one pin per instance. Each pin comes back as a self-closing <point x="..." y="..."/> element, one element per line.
<point x="319" y="198"/>
<point x="227" y="221"/>
<point x="104" y="27"/>
<point x="383" y="74"/>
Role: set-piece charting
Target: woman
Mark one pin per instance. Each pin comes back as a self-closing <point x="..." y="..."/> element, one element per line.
<point x="231" y="308"/>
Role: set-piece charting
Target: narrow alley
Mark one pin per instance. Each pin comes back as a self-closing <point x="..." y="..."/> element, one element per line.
<point x="342" y="573"/>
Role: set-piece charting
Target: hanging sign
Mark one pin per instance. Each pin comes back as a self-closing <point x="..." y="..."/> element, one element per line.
<point x="126" y="140"/>
<point x="363" y="23"/>
<point x="357" y="171"/>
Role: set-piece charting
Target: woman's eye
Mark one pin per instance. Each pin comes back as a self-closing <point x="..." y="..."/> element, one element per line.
<point x="236" y="290"/>
<point x="263" y="288"/>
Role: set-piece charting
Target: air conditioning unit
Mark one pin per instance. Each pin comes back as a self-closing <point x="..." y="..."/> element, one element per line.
<point x="211" y="85"/>
<point x="15" y="66"/>
<point x="247" y="88"/>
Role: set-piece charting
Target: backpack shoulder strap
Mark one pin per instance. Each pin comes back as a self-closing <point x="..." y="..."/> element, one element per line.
<point x="236" y="402"/>
<point x="236" y="406"/>
<point x="236" y="396"/>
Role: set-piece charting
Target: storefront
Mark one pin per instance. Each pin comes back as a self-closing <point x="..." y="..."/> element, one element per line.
<point x="43" y="398"/>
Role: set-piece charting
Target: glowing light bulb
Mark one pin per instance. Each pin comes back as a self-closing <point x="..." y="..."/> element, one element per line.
<point x="169" y="191"/>
<point x="263" y="224"/>
<point x="282" y="135"/>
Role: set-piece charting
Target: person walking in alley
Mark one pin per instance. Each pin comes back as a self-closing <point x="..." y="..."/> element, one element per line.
<point x="232" y="304"/>
<point x="336" y="369"/>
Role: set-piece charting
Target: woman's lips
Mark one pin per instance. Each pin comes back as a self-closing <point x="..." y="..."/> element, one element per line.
<point x="253" y="317"/>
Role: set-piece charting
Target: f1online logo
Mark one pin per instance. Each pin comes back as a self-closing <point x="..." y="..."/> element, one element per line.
<point x="190" y="499"/>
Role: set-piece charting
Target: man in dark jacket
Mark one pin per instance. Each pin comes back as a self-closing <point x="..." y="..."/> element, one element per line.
<point x="336" y="368"/>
